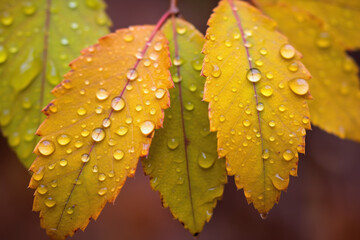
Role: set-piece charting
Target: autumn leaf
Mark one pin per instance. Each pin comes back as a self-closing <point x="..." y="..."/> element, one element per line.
<point x="100" y="123"/>
<point x="335" y="83"/>
<point x="182" y="163"/>
<point x="37" y="43"/>
<point x="257" y="106"/>
<point x="340" y="17"/>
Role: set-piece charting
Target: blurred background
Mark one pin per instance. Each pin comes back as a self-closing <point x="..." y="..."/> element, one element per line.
<point x="322" y="203"/>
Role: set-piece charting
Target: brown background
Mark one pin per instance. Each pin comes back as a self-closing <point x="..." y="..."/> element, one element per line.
<point x="322" y="203"/>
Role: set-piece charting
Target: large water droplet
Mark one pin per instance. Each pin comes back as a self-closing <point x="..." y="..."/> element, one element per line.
<point x="106" y="122"/>
<point x="173" y="143"/>
<point x="287" y="51"/>
<point x="160" y="93"/>
<point x="117" y="103"/>
<point x="46" y="147"/>
<point x="42" y="189"/>
<point x="102" y="94"/>
<point x="266" y="91"/>
<point x="206" y="160"/>
<point x="299" y="86"/>
<point x="147" y="128"/>
<point x="131" y="74"/>
<point x="288" y="155"/>
<point x="85" y="157"/>
<point x="253" y="75"/>
<point x="50" y="202"/>
<point x="63" y="139"/>
<point x="98" y="134"/>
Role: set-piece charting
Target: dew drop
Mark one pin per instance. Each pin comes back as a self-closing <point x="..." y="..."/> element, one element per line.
<point x="266" y="91"/>
<point x="287" y="51"/>
<point x="85" y="157"/>
<point x="6" y="19"/>
<point x="206" y="160"/>
<point x="177" y="61"/>
<point x="118" y="154"/>
<point x="197" y="64"/>
<point x="216" y="71"/>
<point x="246" y="123"/>
<point x="272" y="123"/>
<point x="106" y="122"/>
<point x="263" y="51"/>
<point x="172" y="143"/>
<point x="263" y="215"/>
<point x="122" y="130"/>
<point x="29" y="8"/>
<point x="63" y="139"/>
<point x="131" y="74"/>
<point x="102" y="191"/>
<point x="253" y="75"/>
<point x="63" y="162"/>
<point x="50" y="202"/>
<point x="101" y="177"/>
<point x="70" y="210"/>
<point x="266" y="154"/>
<point x="299" y="86"/>
<point x="117" y="103"/>
<point x="160" y="93"/>
<point x="260" y="107"/>
<point x="181" y="30"/>
<point x="189" y="106"/>
<point x="323" y="40"/>
<point x="288" y="155"/>
<point x="128" y="37"/>
<point x="222" y="118"/>
<point x="192" y="87"/>
<point x="46" y="147"/>
<point x="81" y="111"/>
<point x="138" y="108"/>
<point x="98" y="134"/>
<point x="293" y="67"/>
<point x="42" y="189"/>
<point x="102" y="94"/>
<point x="147" y="127"/>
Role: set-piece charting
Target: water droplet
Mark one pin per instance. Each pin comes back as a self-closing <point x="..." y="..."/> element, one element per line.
<point x="263" y="51"/>
<point x="293" y="67"/>
<point x="70" y="210"/>
<point x="138" y="107"/>
<point x="323" y="40"/>
<point x="147" y="127"/>
<point x="98" y="134"/>
<point x="263" y="215"/>
<point x="189" y="106"/>
<point x="106" y="122"/>
<point x="216" y="71"/>
<point x="206" y="160"/>
<point x="299" y="86"/>
<point x="117" y="103"/>
<point x="192" y="87"/>
<point x="260" y="107"/>
<point x="3" y="54"/>
<point x="272" y="123"/>
<point x="173" y="143"/>
<point x="64" y="41"/>
<point x="85" y="157"/>
<point x="81" y="111"/>
<point x="132" y="74"/>
<point x="177" y="61"/>
<point x="287" y="51"/>
<point x="122" y="130"/>
<point x="42" y="189"/>
<point x="128" y="37"/>
<point x="160" y="93"/>
<point x="266" y="154"/>
<point x="306" y="120"/>
<point x="85" y="133"/>
<point x="282" y="108"/>
<point x="6" y="19"/>
<point x="102" y="177"/>
<point x="288" y="155"/>
<point x="266" y="91"/>
<point x="72" y="4"/>
<point x="63" y="139"/>
<point x="228" y="43"/>
<point x="46" y="147"/>
<point x="253" y="75"/>
<point x="101" y="19"/>
<point x="50" y="202"/>
<point x="102" y="94"/>
<point x="176" y="78"/>
<point x="29" y="8"/>
<point x="102" y="191"/>
<point x="181" y="30"/>
<point x="246" y="123"/>
<point x="222" y="118"/>
<point x="158" y="46"/>
<point x="63" y="162"/>
<point x="118" y="154"/>
<point x="197" y="64"/>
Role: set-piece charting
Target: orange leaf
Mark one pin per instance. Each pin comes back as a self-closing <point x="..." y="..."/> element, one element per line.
<point x="100" y="123"/>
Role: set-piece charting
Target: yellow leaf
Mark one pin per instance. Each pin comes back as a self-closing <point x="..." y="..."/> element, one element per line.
<point x="100" y="123"/>
<point x="182" y="163"/>
<point x="340" y="17"/>
<point x="257" y="106"/>
<point x="335" y="86"/>
<point x="38" y="38"/>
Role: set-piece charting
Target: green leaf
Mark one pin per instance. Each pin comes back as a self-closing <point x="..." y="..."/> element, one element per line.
<point x="183" y="163"/>
<point x="37" y="40"/>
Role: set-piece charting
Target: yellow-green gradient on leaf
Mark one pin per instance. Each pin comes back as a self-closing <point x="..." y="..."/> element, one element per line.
<point x="183" y="163"/>
<point x="37" y="40"/>
<point x="257" y="105"/>
<point x="101" y="122"/>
